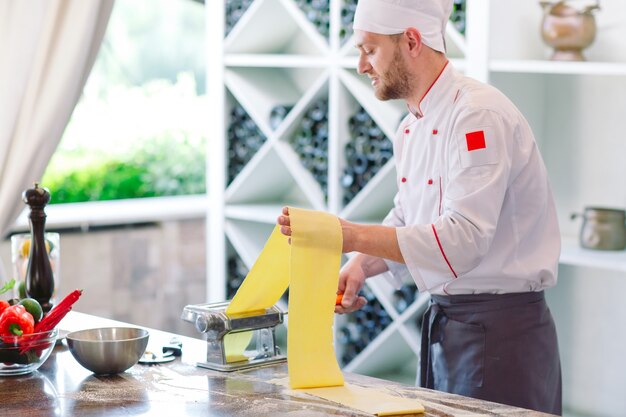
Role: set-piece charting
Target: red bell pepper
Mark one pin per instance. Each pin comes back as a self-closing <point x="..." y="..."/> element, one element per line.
<point x="16" y="321"/>
<point x="4" y="305"/>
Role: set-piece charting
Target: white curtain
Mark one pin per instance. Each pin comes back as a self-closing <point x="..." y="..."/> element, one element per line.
<point x="47" y="49"/>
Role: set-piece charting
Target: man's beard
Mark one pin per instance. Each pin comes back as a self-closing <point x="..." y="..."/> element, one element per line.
<point x="394" y="83"/>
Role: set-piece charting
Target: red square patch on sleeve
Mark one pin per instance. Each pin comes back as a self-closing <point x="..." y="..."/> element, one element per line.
<point x="475" y="140"/>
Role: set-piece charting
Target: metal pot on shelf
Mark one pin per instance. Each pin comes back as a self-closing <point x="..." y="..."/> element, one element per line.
<point x="602" y="228"/>
<point x="568" y="28"/>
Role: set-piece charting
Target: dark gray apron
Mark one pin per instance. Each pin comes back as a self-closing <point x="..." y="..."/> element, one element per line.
<point x="500" y="348"/>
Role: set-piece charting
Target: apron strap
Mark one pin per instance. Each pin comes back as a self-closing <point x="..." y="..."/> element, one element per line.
<point x="431" y="333"/>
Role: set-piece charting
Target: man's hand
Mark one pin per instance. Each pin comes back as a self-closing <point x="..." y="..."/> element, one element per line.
<point x="347" y="229"/>
<point x="284" y="222"/>
<point x="351" y="280"/>
<point x="381" y="242"/>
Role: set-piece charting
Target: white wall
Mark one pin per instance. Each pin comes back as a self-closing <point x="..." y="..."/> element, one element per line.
<point x="589" y="310"/>
<point x="580" y="124"/>
<point x="585" y="151"/>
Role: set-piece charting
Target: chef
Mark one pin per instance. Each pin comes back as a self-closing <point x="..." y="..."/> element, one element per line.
<point x="473" y="223"/>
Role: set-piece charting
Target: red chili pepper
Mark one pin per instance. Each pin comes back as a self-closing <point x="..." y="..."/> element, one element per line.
<point x="50" y="320"/>
<point x="16" y="321"/>
<point x="4" y="305"/>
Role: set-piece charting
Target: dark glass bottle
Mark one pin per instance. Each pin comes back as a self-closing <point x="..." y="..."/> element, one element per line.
<point x="39" y="277"/>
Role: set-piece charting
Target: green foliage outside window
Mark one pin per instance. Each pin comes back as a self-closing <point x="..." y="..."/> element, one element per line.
<point x="163" y="166"/>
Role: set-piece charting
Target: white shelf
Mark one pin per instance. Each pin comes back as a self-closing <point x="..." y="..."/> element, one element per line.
<point x="351" y="62"/>
<point x="455" y="42"/>
<point x="573" y="254"/>
<point x="248" y="238"/>
<point x="303" y="178"/>
<point x="268" y="179"/>
<point x="258" y="90"/>
<point x="262" y="213"/>
<point x="389" y="351"/>
<point x="274" y="27"/>
<point x="275" y="60"/>
<point x="556" y="67"/>
<point x="116" y="212"/>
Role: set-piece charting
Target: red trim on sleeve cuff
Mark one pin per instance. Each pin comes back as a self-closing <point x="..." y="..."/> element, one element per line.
<point x="442" y="252"/>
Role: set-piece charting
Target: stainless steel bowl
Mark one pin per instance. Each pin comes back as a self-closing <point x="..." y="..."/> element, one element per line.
<point x="108" y="350"/>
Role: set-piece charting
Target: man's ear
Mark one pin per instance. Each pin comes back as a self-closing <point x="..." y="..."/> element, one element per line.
<point x="414" y="41"/>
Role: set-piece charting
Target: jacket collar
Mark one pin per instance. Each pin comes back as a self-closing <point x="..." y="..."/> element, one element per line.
<point x="432" y="94"/>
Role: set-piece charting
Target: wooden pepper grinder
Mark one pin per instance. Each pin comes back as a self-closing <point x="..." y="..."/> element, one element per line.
<point x="39" y="277"/>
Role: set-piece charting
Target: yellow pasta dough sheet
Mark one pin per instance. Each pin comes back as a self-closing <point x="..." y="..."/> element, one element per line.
<point x="316" y="243"/>
<point x="267" y="280"/>
<point x="375" y="401"/>
<point x="369" y="400"/>
<point x="309" y="266"/>
<point x="264" y="285"/>
<point x="235" y="345"/>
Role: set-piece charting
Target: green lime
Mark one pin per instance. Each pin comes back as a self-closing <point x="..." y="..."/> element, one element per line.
<point x="33" y="307"/>
<point x="21" y="288"/>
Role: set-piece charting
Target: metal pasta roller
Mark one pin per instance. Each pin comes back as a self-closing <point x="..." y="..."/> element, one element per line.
<point x="237" y="341"/>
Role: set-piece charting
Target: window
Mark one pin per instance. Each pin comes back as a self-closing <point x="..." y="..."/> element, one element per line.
<point x="138" y="130"/>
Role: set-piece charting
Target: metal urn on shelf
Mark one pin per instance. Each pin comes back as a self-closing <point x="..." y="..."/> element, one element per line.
<point x="568" y="28"/>
<point x="602" y="228"/>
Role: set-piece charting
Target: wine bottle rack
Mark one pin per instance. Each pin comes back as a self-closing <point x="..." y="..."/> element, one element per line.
<point x="362" y="327"/>
<point x="237" y="272"/>
<point x="302" y="128"/>
<point x="348" y="7"/>
<point x="244" y="140"/>
<point x="316" y="11"/>
<point x="367" y="151"/>
<point x="311" y="143"/>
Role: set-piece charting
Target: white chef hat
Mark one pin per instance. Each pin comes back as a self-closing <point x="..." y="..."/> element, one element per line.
<point x="390" y="17"/>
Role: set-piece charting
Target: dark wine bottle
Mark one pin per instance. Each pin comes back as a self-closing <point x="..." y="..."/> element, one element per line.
<point x="278" y="114"/>
<point x="348" y="8"/>
<point x="365" y="154"/>
<point x="235" y="9"/>
<point x="237" y="272"/>
<point x="404" y="297"/>
<point x="244" y="140"/>
<point x="310" y="142"/>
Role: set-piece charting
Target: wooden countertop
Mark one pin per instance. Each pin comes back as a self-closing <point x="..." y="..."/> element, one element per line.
<point x="62" y="387"/>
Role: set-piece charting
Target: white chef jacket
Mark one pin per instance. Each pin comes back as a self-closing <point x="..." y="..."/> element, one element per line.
<point x="474" y="210"/>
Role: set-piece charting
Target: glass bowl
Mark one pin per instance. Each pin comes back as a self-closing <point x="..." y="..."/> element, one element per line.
<point x="23" y="354"/>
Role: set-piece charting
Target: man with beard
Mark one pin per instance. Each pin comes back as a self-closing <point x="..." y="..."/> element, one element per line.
<point x="473" y="223"/>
